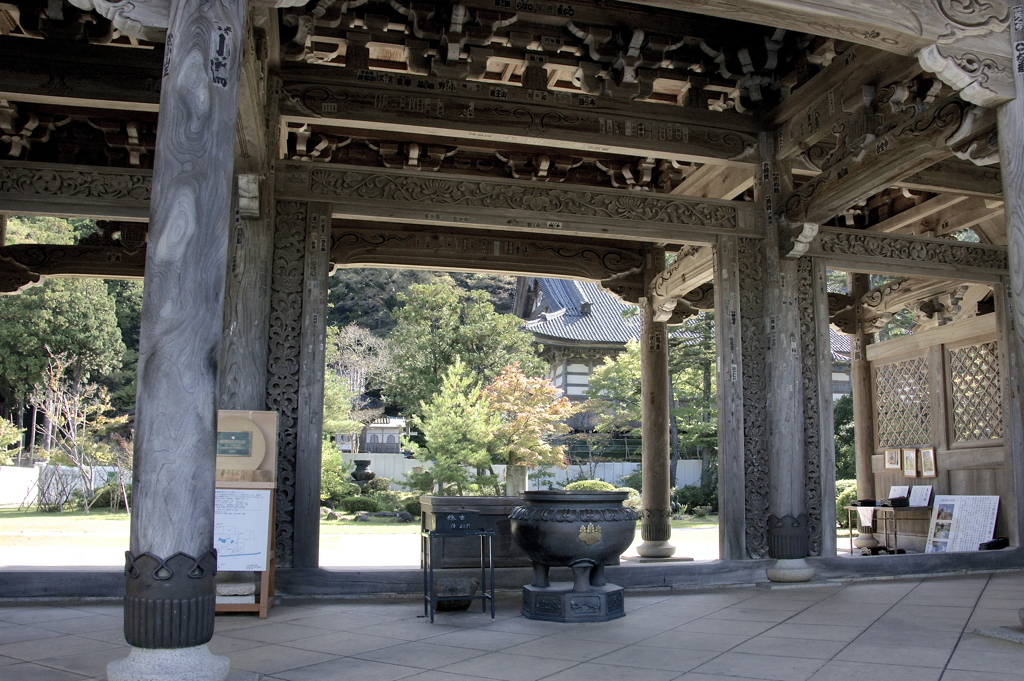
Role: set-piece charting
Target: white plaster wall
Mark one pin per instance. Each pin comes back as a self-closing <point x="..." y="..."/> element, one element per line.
<point x="18" y="485"/>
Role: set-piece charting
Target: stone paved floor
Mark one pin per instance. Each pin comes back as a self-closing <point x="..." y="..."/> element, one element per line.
<point x="904" y="630"/>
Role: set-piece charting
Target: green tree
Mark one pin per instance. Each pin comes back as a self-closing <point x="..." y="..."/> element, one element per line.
<point x="614" y="392"/>
<point x="528" y="413"/>
<point x="692" y="359"/>
<point x="456" y="425"/>
<point x="846" y="456"/>
<point x="437" y="323"/>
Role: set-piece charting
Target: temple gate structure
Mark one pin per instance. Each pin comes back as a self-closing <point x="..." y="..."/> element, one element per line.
<point x="237" y="152"/>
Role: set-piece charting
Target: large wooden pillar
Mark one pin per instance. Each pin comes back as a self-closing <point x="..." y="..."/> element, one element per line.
<point x="170" y="595"/>
<point x="1011" y="158"/>
<point x="295" y="373"/>
<point x="656" y="519"/>
<point x="863" y="414"/>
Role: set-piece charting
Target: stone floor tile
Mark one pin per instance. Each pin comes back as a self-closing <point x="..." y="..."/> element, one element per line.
<point x="615" y="632"/>
<point x="273" y="659"/>
<point x="749" y="615"/>
<point x="815" y="649"/>
<point x="4" y="661"/>
<point x="564" y="648"/>
<point x="276" y="632"/>
<point x="692" y="640"/>
<point x="14" y="633"/>
<point x="38" y="615"/>
<point x="475" y="639"/>
<point x="883" y="635"/>
<point x="521" y="625"/>
<point x="707" y="625"/>
<point x="222" y="645"/>
<point x="962" y="675"/>
<point x="508" y="667"/>
<point x="86" y="625"/>
<point x="1006" y="661"/>
<point x="767" y="667"/>
<point x="343" y="643"/>
<point x="649" y="657"/>
<point x="39" y="649"/>
<point x="972" y="641"/>
<point x="418" y="629"/>
<point x="93" y="663"/>
<point x="434" y="675"/>
<point x="823" y="632"/>
<point x="895" y="654"/>
<point x="915" y="598"/>
<point x="419" y="655"/>
<point x="115" y="636"/>
<point x="347" y="669"/>
<point x="29" y="671"/>
<point x="904" y="621"/>
<point x="868" y="671"/>
<point x="589" y="671"/>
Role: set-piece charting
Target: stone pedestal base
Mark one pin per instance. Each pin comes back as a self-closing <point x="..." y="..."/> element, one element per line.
<point x="559" y="603"/>
<point x="174" y="664"/>
<point x="655" y="549"/>
<point x="865" y="540"/>
<point x="790" y="570"/>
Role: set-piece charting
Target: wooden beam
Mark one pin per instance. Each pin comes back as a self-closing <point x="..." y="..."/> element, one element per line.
<point x="92" y="76"/>
<point x="958" y="177"/>
<point x="368" y="244"/>
<point x="716" y="182"/>
<point x="354" y="101"/>
<point x="74" y="191"/>
<point x="810" y="114"/>
<point x="407" y="196"/>
<point x="904" y="222"/>
<point x="862" y="251"/>
<point x="902" y="151"/>
<point x="693" y="267"/>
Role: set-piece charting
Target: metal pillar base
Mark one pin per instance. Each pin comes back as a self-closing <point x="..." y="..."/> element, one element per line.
<point x="655" y="549"/>
<point x="561" y="603"/>
<point x="170" y="664"/>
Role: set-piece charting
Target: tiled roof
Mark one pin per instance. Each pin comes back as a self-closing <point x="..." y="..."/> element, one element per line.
<point x="581" y="311"/>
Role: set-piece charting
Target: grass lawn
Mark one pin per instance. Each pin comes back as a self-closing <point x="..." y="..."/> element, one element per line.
<point x="32" y="528"/>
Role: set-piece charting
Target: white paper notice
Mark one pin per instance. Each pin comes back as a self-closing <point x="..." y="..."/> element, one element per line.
<point x="899" y="491"/>
<point x="241" y="525"/>
<point x="960" y="523"/>
<point x="920" y="495"/>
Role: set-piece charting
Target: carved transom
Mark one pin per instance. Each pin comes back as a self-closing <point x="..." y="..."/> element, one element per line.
<point x="903" y="410"/>
<point x="976" y="392"/>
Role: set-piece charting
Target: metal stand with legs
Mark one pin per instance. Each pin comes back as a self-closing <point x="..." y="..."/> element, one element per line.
<point x="430" y="597"/>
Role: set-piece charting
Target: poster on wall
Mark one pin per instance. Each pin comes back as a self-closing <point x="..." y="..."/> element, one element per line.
<point x="241" y="528"/>
<point x="960" y="523"/>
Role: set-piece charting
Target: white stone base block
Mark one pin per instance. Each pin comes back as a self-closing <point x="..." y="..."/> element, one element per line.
<point x="176" y="664"/>
<point x="865" y="540"/>
<point x="790" y="570"/>
<point x="655" y="549"/>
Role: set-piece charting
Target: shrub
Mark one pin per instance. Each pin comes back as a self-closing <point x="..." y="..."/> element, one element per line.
<point x="633" y="501"/>
<point x="846" y="494"/>
<point x="335" y="480"/>
<point x="387" y="501"/>
<point x="701" y="511"/>
<point x="590" y="486"/>
<point x="694" y="496"/>
<point x="412" y="506"/>
<point x="110" y="496"/>
<point x="356" y="504"/>
<point x="377" y="485"/>
<point x="634" y="480"/>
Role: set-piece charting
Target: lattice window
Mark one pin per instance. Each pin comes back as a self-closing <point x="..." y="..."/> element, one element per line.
<point x="976" y="393"/>
<point x="901" y="398"/>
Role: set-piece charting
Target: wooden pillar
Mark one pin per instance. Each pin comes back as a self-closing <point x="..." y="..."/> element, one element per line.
<point x="170" y="594"/>
<point x="655" y="524"/>
<point x="1011" y="158"/>
<point x="787" y="532"/>
<point x="863" y="412"/>
<point x="729" y="341"/>
<point x="295" y="363"/>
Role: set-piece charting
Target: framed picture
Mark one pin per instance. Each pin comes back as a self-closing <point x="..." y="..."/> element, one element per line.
<point x="928" y="462"/>
<point x="892" y="459"/>
<point x="910" y="463"/>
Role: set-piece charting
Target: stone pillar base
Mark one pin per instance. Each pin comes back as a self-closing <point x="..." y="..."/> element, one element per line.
<point x="790" y="570"/>
<point x="655" y="549"/>
<point x="865" y="540"/>
<point x="173" y="664"/>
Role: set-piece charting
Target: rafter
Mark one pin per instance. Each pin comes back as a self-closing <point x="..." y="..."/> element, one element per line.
<point x="716" y="182"/>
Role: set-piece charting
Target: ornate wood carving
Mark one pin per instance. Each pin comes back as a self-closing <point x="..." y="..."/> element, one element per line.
<point x="359" y="193"/>
<point x="491" y="251"/>
<point x="978" y="77"/>
<point x="283" y="361"/>
<point x="811" y="356"/>
<point x="78" y="190"/>
<point x="755" y="395"/>
<point x="503" y="115"/>
<point x="913" y="254"/>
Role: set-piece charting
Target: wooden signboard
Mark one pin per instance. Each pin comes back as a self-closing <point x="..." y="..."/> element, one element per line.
<point x="960" y="523"/>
